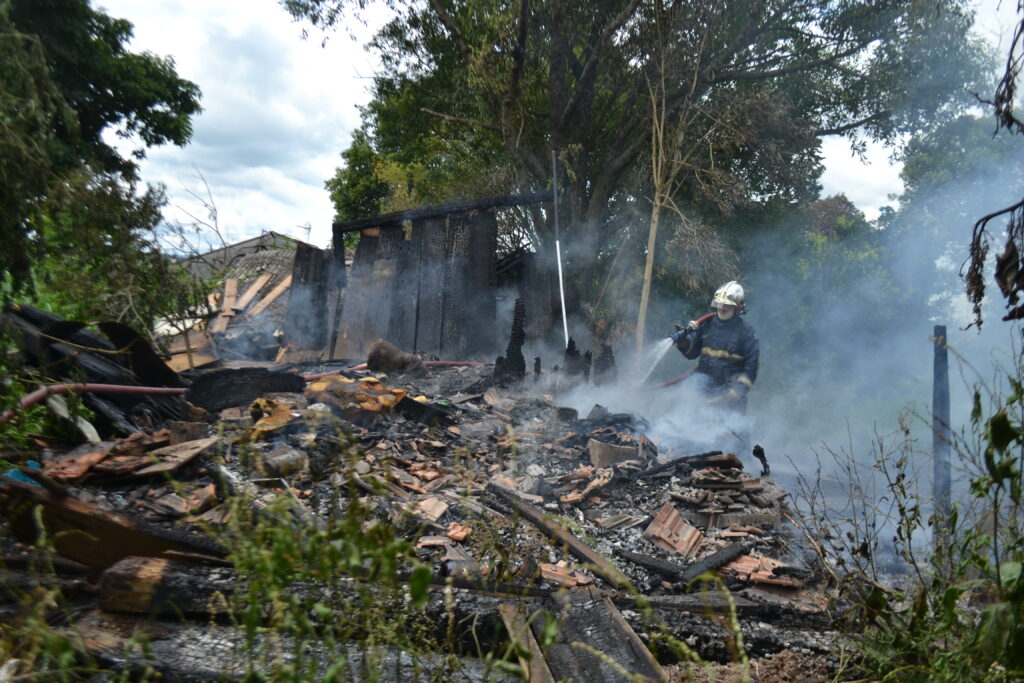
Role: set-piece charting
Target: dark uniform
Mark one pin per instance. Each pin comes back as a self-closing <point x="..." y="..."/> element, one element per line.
<point x="729" y="355"/>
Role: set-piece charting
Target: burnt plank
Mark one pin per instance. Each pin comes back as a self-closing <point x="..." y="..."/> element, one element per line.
<point x="597" y="564"/>
<point x="394" y="220"/>
<point x="431" y="290"/>
<point x="225" y="388"/>
<point x="352" y="339"/>
<point x="480" y="309"/>
<point x="271" y="297"/>
<point x="156" y="585"/>
<point x="714" y="561"/>
<point x="250" y="293"/>
<point x="535" y="668"/>
<point x="456" y="286"/>
<point x="307" y="299"/>
<point x="379" y="294"/>
<point x="670" y="570"/>
<point x="594" y="643"/>
<point x="540" y="288"/>
<point x="86" y="533"/>
<point x="705" y="602"/>
<point x="143" y="360"/>
<point x="400" y="247"/>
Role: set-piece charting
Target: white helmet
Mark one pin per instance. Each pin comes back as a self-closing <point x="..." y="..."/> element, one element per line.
<point x="729" y="294"/>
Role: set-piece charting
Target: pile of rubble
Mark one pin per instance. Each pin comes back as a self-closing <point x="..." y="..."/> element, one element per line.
<point x="608" y="526"/>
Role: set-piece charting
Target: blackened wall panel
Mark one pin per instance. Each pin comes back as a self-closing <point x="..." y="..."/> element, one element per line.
<point x="305" y="319"/>
<point x="480" y="310"/>
<point x="352" y="326"/>
<point x="405" y="254"/>
<point x="431" y="281"/>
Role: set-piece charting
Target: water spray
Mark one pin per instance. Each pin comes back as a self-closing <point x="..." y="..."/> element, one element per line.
<point x="654" y="355"/>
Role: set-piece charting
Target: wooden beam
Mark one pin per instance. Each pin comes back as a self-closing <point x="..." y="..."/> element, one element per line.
<point x="534" y="667"/>
<point x="597" y="564"/>
<point x="85" y="533"/>
<point x="170" y="458"/>
<point x="250" y="293"/>
<point x="394" y="220"/>
<point x="596" y="643"/>
<point x="226" y="304"/>
<point x="156" y="585"/>
<point x="271" y="297"/>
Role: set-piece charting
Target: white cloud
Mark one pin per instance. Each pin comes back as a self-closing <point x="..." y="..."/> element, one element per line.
<point x="278" y="110"/>
<point x="866" y="182"/>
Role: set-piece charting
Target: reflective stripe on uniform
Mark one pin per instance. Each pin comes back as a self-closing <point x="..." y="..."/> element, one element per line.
<point x="717" y="353"/>
<point x="743" y="379"/>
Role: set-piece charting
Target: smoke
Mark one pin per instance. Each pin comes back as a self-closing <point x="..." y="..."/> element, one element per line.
<point x="845" y="321"/>
<point x="847" y="348"/>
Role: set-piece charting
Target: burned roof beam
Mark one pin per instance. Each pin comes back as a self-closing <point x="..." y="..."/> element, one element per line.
<point x="394" y="220"/>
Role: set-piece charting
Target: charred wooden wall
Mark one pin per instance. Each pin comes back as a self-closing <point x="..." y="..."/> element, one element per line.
<point x="424" y="283"/>
<point x="305" y="323"/>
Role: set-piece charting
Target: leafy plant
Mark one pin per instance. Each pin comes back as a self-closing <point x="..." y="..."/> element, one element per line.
<point x="958" y="611"/>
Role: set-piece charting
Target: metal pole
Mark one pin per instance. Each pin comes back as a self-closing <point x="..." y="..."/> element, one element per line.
<point x="940" y="432"/>
<point x="558" y="246"/>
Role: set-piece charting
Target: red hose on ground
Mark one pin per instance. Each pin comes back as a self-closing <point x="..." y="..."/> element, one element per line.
<point x="670" y="382"/>
<point x="52" y="389"/>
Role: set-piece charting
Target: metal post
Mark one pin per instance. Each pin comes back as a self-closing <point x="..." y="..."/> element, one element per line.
<point x="940" y="432"/>
<point x="558" y="246"/>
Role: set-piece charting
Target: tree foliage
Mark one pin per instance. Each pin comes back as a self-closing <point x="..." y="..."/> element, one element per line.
<point x="105" y="85"/>
<point x="102" y="260"/>
<point x="356" y="190"/>
<point x="32" y="113"/>
<point x="756" y="85"/>
<point x="67" y="79"/>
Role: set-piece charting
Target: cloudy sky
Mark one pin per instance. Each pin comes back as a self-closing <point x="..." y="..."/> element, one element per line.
<point x="278" y="111"/>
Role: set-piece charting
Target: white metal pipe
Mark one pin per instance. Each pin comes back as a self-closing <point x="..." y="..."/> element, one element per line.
<point x="558" y="246"/>
<point x="561" y="291"/>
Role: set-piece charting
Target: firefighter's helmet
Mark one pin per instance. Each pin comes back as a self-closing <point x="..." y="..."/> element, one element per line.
<point x="729" y="294"/>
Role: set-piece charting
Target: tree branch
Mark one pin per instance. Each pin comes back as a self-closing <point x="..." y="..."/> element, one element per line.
<point x="453" y="30"/>
<point x="846" y="127"/>
<point x="588" y="67"/>
<point x="731" y="76"/>
<point x="460" y="119"/>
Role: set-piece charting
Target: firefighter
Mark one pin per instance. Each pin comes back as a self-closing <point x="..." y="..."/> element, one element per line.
<point x="728" y="348"/>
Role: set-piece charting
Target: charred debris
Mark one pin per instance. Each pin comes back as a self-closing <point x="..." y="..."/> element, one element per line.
<point x="618" y="536"/>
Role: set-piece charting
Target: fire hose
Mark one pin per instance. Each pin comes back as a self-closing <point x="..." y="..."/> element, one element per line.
<point x="53" y="389"/>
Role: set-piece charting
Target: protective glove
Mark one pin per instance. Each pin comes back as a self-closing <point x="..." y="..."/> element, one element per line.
<point x="735" y="393"/>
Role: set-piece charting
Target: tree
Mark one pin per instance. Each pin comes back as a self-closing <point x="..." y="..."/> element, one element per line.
<point x="104" y="84"/>
<point x="67" y="79"/>
<point x="32" y="114"/>
<point x="540" y="75"/>
<point x="102" y="260"/>
<point x="356" y="189"/>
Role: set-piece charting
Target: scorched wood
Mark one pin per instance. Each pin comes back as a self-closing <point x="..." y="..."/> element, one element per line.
<point x="87" y="533"/>
<point x="597" y="564"/>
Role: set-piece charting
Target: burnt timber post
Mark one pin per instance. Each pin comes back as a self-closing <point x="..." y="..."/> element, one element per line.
<point x="940" y="434"/>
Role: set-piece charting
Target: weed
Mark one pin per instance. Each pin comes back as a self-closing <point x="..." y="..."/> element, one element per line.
<point x="957" y="613"/>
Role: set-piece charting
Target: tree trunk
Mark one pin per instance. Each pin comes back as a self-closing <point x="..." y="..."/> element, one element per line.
<point x="648" y="272"/>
